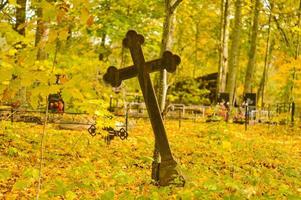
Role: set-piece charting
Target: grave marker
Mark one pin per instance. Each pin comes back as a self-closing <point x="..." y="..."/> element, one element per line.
<point x="167" y="168"/>
<point x="250" y="103"/>
<point x="224" y="100"/>
<point x="250" y="99"/>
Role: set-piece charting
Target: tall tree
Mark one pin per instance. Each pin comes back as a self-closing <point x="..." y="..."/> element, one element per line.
<point x="20" y="97"/>
<point x="234" y="52"/>
<point x="40" y="33"/>
<point x="252" y="52"/>
<point x="3" y="4"/>
<point x="297" y="52"/>
<point x="268" y="53"/>
<point x="223" y="48"/>
<point x="20" y="17"/>
<point x="196" y="44"/>
<point x="166" y="44"/>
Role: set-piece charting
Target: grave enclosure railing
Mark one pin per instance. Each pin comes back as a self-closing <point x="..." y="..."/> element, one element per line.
<point x="172" y="111"/>
<point x="273" y="113"/>
<point x="38" y="116"/>
<point x="278" y="113"/>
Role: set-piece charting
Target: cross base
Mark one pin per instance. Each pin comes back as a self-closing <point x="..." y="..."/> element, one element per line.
<point x="166" y="173"/>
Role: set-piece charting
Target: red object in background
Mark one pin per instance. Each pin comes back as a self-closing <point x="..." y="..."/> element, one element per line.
<point x="15" y="104"/>
<point x="56" y="103"/>
<point x="60" y="107"/>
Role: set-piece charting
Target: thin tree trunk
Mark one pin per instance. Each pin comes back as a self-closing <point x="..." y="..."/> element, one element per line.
<point x="165" y="45"/>
<point x="220" y="47"/>
<point x="20" y="28"/>
<point x="234" y="52"/>
<point x="224" y="38"/>
<point x="20" y="17"/>
<point x="268" y="52"/>
<point x="42" y="150"/>
<point x="3" y="4"/>
<point x="168" y="28"/>
<point x="296" y="55"/>
<point x="197" y="33"/>
<point x="41" y="32"/>
<point x="265" y="77"/>
<point x="252" y="53"/>
<point x="298" y="37"/>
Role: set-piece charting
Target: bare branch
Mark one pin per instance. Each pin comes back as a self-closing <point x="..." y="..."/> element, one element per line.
<point x="9" y="16"/>
<point x="3" y="4"/>
<point x="282" y="32"/>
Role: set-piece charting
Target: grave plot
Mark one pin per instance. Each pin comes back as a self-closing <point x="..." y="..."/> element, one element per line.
<point x="67" y="121"/>
<point x="279" y="113"/>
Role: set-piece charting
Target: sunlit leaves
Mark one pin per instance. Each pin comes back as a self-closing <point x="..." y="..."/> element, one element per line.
<point x="4" y="174"/>
<point x="218" y="160"/>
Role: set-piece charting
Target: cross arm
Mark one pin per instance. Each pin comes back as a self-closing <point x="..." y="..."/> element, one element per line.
<point x="115" y="76"/>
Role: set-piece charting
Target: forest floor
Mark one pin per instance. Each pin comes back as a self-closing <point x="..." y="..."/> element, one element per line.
<point x="218" y="160"/>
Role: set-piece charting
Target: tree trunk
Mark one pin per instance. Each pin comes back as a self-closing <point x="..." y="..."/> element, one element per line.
<point x="234" y="52"/>
<point x="252" y="52"/>
<point x="197" y="35"/>
<point x="20" y="96"/>
<point x="292" y="97"/>
<point x="20" y="17"/>
<point x="3" y="4"/>
<point x="268" y="52"/>
<point x="165" y="45"/>
<point x="265" y="77"/>
<point x="224" y="38"/>
<point x="40" y="36"/>
<point x="298" y="37"/>
<point x="168" y="28"/>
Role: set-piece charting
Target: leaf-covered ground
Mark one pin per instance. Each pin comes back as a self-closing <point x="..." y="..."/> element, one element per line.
<point x="219" y="161"/>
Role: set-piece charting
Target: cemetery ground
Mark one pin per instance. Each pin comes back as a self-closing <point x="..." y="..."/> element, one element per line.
<point x="219" y="161"/>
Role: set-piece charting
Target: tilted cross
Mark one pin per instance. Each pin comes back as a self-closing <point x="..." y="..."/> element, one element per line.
<point x="114" y="76"/>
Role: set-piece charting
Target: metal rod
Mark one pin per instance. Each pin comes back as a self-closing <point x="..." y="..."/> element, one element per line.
<point x="246" y="118"/>
<point x="126" y="119"/>
<point x="293" y="113"/>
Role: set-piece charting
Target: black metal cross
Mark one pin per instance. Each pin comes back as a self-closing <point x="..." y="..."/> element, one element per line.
<point x="114" y="76"/>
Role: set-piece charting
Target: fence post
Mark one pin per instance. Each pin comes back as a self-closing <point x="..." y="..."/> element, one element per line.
<point x="269" y="115"/>
<point x="180" y="117"/>
<point x="12" y="114"/>
<point x="126" y="119"/>
<point x="246" y="117"/>
<point x="111" y="106"/>
<point x="293" y="113"/>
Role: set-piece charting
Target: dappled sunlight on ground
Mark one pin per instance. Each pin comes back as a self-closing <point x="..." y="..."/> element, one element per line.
<point x="218" y="160"/>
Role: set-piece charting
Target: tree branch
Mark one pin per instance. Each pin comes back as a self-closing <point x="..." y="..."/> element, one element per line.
<point x="282" y="32"/>
<point x="3" y="4"/>
<point x="8" y="15"/>
<point x="175" y="5"/>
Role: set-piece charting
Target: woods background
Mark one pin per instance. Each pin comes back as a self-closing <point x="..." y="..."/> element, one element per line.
<point x="254" y="45"/>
